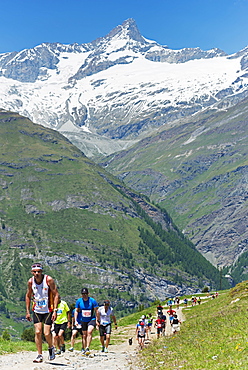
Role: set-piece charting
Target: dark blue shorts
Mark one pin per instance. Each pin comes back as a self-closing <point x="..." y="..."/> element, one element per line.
<point x="85" y="325"/>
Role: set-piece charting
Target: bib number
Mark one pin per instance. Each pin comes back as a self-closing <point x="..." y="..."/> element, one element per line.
<point x="86" y="313"/>
<point x="41" y="303"/>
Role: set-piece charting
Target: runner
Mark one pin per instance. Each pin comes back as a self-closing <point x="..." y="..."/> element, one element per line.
<point x="104" y="315"/>
<point x="45" y="296"/>
<point x="88" y="307"/>
<point x="75" y="329"/>
<point x="159" y="309"/>
<point x="163" y="318"/>
<point x="175" y="324"/>
<point x="150" y="321"/>
<point x="171" y="313"/>
<point x="141" y="333"/>
<point x="177" y="302"/>
<point x="145" y="321"/>
<point x="60" y="324"/>
<point x="159" y="325"/>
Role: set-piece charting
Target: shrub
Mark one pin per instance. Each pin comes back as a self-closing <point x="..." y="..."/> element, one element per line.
<point x="28" y="335"/>
<point x="6" y="335"/>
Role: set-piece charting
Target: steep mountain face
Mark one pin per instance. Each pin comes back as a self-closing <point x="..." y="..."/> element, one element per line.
<point x="198" y="170"/>
<point x="85" y="226"/>
<point x="107" y="94"/>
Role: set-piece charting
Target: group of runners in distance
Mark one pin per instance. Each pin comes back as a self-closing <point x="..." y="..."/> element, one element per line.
<point x="144" y="326"/>
<point x="51" y="316"/>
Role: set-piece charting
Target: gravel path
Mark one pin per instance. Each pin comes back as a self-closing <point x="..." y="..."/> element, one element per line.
<point x="120" y="356"/>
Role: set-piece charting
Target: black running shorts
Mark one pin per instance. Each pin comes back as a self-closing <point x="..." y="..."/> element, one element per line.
<point x="46" y="318"/>
<point x="58" y="327"/>
<point x="105" y="329"/>
<point x="85" y="325"/>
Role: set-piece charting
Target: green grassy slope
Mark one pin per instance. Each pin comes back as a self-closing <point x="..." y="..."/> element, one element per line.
<point x="213" y="337"/>
<point x="84" y="225"/>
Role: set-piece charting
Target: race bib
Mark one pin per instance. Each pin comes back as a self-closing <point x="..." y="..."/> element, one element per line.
<point x="41" y="303"/>
<point x="86" y="313"/>
<point x="104" y="323"/>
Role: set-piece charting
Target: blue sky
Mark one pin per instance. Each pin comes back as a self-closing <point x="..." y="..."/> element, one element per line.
<point x="175" y="23"/>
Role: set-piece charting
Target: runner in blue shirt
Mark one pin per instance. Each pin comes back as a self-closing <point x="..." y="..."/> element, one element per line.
<point x="88" y="307"/>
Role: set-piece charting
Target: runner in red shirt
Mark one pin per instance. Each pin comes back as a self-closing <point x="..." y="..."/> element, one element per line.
<point x="159" y="324"/>
<point x="171" y="314"/>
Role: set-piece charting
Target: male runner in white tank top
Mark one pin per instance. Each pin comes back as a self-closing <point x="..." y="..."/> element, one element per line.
<point x="44" y="294"/>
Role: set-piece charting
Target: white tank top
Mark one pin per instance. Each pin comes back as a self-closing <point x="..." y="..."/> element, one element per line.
<point x="41" y="296"/>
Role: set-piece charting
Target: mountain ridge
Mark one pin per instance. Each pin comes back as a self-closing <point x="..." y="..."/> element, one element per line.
<point x="197" y="170"/>
<point x="118" y="88"/>
<point x="60" y="208"/>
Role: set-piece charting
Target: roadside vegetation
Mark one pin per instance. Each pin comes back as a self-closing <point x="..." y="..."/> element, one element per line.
<point x="214" y="336"/>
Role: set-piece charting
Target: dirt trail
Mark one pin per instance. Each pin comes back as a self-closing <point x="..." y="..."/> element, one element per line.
<point x="121" y="356"/>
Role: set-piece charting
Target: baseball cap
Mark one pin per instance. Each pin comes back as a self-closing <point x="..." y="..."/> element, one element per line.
<point x="84" y="291"/>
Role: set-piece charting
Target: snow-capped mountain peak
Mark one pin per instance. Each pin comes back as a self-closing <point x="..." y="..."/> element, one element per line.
<point x="118" y="86"/>
<point x="128" y="30"/>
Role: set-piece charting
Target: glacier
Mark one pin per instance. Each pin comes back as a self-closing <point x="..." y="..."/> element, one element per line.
<point x="107" y="94"/>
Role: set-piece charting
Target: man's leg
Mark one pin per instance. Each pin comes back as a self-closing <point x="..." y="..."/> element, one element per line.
<point x="48" y="335"/>
<point x="107" y="340"/>
<point x="89" y="335"/>
<point x="84" y="339"/>
<point x="73" y="337"/>
<point x="55" y="341"/>
<point x="61" y="337"/>
<point x="38" y="337"/>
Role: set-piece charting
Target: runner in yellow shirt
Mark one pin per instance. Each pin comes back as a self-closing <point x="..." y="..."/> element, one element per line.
<point x="60" y="324"/>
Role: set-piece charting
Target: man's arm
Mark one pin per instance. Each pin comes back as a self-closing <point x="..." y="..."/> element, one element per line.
<point x="55" y="293"/>
<point x="28" y="300"/>
<point x="114" y="319"/>
<point x="136" y="332"/>
<point x="69" y="318"/>
<point x="98" y="318"/>
<point x="76" y="316"/>
<point x="96" y="310"/>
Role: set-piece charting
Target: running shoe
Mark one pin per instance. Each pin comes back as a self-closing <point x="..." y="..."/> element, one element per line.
<point x="71" y="349"/>
<point x="83" y="352"/>
<point x="58" y="352"/>
<point x="39" y="358"/>
<point x="62" y="348"/>
<point x="51" y="353"/>
<point x="103" y="348"/>
<point x="106" y="350"/>
<point x="87" y="351"/>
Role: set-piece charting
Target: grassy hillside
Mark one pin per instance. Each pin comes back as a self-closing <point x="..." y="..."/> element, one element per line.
<point x="84" y="225"/>
<point x="198" y="171"/>
<point x="213" y="337"/>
